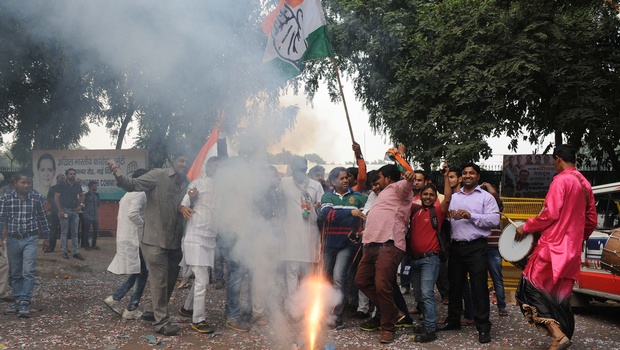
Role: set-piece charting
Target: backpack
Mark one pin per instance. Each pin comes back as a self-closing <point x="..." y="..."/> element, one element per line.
<point x="443" y="236"/>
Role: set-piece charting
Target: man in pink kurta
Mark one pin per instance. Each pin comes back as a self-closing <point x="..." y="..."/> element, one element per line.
<point x="568" y="218"/>
<point x="385" y="244"/>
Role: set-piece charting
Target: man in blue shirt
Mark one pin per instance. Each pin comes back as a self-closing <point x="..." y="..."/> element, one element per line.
<point x="22" y="213"/>
<point x="473" y="213"/>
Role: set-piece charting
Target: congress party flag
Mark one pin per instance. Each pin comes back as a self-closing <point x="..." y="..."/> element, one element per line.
<point x="296" y="32"/>
<point x="208" y="150"/>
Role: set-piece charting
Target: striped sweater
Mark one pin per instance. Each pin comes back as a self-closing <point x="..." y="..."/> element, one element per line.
<point x="336" y="211"/>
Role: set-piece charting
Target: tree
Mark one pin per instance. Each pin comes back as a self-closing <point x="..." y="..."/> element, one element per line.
<point x="45" y="95"/>
<point x="169" y="67"/>
<point x="443" y="76"/>
<point x="314" y="158"/>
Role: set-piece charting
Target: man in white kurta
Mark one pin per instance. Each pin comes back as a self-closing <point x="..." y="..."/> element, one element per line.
<point x="301" y="234"/>
<point x="128" y="259"/>
<point x="199" y="242"/>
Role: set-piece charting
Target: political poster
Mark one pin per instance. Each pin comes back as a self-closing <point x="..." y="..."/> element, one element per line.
<point x="90" y="165"/>
<point x="527" y="175"/>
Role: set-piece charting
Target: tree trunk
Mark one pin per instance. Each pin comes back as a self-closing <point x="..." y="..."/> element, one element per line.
<point x="123" y="129"/>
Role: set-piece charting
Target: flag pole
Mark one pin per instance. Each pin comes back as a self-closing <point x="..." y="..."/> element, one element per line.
<point x="344" y="102"/>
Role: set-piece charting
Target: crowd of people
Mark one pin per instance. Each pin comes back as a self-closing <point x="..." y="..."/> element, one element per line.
<point x="354" y="228"/>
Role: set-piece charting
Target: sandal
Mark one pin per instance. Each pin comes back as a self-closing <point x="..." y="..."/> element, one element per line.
<point x="561" y="343"/>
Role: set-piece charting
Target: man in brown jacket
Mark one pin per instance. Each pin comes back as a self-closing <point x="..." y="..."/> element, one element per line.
<point x="163" y="230"/>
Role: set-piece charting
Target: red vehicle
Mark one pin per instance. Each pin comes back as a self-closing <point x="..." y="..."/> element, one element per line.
<point x="600" y="258"/>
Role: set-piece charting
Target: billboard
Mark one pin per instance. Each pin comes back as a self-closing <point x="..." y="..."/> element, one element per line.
<point x="90" y="165"/>
<point x="527" y="175"/>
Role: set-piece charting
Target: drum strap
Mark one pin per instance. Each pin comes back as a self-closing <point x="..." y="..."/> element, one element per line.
<point x="583" y="189"/>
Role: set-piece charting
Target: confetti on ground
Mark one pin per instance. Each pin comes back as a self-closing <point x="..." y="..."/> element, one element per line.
<point x="70" y="314"/>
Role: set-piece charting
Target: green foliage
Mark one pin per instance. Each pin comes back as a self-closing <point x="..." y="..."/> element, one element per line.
<point x="170" y="68"/>
<point x="441" y="77"/>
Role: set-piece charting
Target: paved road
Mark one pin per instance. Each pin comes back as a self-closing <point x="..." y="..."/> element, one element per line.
<point x="70" y="314"/>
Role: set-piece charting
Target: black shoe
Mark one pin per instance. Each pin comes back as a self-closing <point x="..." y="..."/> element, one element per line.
<point x="371" y="325"/>
<point x="148" y="316"/>
<point x="418" y="329"/>
<point x="425" y="337"/>
<point x="361" y="315"/>
<point x="65" y="255"/>
<point x="78" y="256"/>
<point x="169" y="329"/>
<point x="202" y="327"/>
<point x="484" y="337"/>
<point x="185" y="312"/>
<point x="87" y="249"/>
<point x="95" y="247"/>
<point x="449" y="327"/>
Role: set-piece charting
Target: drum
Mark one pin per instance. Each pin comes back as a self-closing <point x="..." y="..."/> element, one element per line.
<point x="610" y="259"/>
<point x="516" y="253"/>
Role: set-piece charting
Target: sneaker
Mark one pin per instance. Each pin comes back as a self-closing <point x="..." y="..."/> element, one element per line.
<point x="238" y="326"/>
<point x="406" y="322"/>
<point x="260" y="320"/>
<point x="202" y="327"/>
<point x="132" y="315"/>
<point x="169" y="329"/>
<point x="24" y="309"/>
<point x="503" y="312"/>
<point x="78" y="256"/>
<point x="65" y="255"/>
<point x="12" y="310"/>
<point x="114" y="305"/>
<point x="371" y="325"/>
<point x="386" y="337"/>
<point x="95" y="247"/>
<point x="187" y="313"/>
<point x="336" y="323"/>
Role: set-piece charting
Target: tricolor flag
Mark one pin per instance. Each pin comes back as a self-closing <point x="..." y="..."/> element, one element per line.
<point x="208" y="150"/>
<point x="296" y="32"/>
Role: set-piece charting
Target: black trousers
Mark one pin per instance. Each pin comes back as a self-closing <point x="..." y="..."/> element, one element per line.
<point x="469" y="257"/>
<point x="54" y="230"/>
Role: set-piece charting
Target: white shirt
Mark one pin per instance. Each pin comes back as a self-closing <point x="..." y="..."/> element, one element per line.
<point x="129" y="234"/>
<point x="301" y="236"/>
<point x="199" y="240"/>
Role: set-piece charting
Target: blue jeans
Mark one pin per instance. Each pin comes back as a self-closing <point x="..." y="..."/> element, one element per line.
<point x="70" y="222"/>
<point x="234" y="278"/>
<point x="218" y="268"/>
<point x="336" y="263"/>
<point x="87" y="225"/>
<point x="22" y="254"/>
<point x="495" y="270"/>
<point x="424" y="273"/>
<point x="138" y="282"/>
